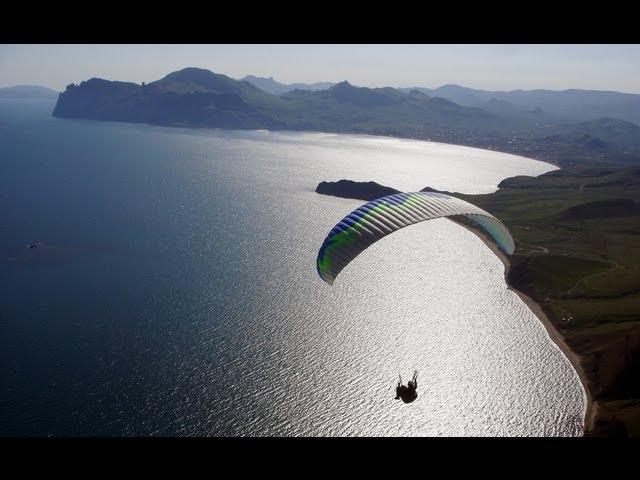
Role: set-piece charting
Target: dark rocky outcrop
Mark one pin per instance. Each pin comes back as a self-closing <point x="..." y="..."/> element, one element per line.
<point x="358" y="190"/>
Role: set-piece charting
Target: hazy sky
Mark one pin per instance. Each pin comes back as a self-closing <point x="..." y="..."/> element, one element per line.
<point x="492" y="67"/>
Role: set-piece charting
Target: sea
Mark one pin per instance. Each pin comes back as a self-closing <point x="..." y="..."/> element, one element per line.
<point x="172" y="290"/>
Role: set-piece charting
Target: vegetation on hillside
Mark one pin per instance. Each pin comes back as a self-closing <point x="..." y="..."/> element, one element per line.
<point x="577" y="235"/>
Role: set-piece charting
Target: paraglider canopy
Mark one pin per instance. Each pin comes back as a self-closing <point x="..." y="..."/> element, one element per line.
<point x="378" y="218"/>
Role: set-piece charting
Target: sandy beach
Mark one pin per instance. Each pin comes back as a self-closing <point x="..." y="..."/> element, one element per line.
<point x="555" y="336"/>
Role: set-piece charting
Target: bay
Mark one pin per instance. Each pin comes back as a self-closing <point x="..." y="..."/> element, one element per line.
<point x="173" y="290"/>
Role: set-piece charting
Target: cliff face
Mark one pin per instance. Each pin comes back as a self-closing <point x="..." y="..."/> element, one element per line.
<point x="98" y="99"/>
<point x="160" y="104"/>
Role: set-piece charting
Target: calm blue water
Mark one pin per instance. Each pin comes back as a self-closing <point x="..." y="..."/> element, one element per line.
<point x="173" y="290"/>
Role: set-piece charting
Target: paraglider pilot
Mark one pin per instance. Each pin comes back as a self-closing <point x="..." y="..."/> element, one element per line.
<point x="408" y="393"/>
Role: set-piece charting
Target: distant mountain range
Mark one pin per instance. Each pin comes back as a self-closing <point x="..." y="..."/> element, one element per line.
<point x="27" y="91"/>
<point x="564" y="104"/>
<point x="197" y="97"/>
<point x="273" y="87"/>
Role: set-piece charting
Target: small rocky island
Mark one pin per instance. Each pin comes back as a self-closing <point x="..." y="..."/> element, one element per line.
<point x="357" y="190"/>
<point x="361" y="190"/>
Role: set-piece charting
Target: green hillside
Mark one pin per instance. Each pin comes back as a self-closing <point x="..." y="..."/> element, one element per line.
<point x="577" y="235"/>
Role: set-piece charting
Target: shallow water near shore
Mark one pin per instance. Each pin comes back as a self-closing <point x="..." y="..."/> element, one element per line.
<point x="173" y="290"/>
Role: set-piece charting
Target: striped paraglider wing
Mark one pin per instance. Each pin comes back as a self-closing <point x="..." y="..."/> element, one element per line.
<point x="378" y="218"/>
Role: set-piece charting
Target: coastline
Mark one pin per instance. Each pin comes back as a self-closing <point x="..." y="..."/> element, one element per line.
<point x="555" y="336"/>
<point x="603" y="343"/>
<point x="358" y="133"/>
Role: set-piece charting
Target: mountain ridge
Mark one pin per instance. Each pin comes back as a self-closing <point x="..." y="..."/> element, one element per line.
<point x="200" y="98"/>
<point x="274" y="87"/>
<point x="568" y="104"/>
